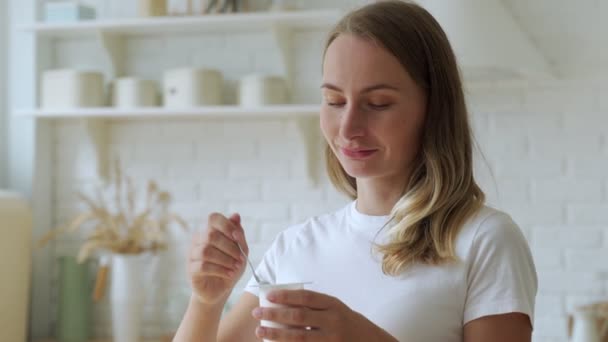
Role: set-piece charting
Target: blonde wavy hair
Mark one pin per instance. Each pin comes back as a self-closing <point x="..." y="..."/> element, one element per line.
<point x="441" y="194"/>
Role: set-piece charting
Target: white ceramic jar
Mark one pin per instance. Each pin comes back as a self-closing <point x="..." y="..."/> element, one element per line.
<point x="130" y="92"/>
<point x="152" y="8"/>
<point x="68" y="88"/>
<point x="183" y="88"/>
<point x="261" y="90"/>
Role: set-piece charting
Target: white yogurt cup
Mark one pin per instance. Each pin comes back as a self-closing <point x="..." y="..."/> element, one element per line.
<point x="265" y="303"/>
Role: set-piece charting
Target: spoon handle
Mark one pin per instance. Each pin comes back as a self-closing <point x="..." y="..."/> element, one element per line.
<point x="250" y="264"/>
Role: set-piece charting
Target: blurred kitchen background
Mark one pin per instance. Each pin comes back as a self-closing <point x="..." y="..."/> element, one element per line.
<point x="229" y="124"/>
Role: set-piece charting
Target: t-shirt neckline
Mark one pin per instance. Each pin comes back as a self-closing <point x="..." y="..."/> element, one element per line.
<point x="363" y="222"/>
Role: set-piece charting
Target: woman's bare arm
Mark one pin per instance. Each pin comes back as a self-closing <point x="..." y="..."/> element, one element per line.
<point x="238" y="325"/>
<point x="202" y="323"/>
<point x="512" y="327"/>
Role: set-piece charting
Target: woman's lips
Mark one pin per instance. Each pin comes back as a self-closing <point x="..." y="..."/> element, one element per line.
<point x="357" y="154"/>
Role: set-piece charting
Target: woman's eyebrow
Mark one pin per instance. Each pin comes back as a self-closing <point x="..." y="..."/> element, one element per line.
<point x="365" y="90"/>
<point x="330" y="86"/>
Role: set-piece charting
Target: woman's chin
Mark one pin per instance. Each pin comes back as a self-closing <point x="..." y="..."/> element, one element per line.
<point x="360" y="172"/>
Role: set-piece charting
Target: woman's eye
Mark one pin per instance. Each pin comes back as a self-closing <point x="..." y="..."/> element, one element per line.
<point x="379" y="105"/>
<point x="334" y="103"/>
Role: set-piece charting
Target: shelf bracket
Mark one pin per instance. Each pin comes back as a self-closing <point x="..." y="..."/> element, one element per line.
<point x="92" y="156"/>
<point x="94" y="153"/>
<point x="311" y="134"/>
<point x="113" y="46"/>
<point x="309" y="126"/>
<point x="284" y="41"/>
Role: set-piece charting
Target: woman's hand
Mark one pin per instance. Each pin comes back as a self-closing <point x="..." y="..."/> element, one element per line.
<point x="314" y="316"/>
<point x="215" y="262"/>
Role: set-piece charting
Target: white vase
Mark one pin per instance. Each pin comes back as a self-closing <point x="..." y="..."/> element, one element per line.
<point x="127" y="297"/>
<point x="585" y="327"/>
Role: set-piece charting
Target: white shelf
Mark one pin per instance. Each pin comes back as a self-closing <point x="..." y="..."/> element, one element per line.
<point x="286" y="111"/>
<point x="203" y="23"/>
<point x="112" y="37"/>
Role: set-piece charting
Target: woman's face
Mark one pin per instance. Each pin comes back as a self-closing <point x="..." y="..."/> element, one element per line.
<point x="372" y="112"/>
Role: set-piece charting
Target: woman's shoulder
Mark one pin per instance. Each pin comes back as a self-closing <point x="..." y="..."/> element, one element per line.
<point x="495" y="222"/>
<point x="489" y="227"/>
<point x="488" y="218"/>
<point x="304" y="233"/>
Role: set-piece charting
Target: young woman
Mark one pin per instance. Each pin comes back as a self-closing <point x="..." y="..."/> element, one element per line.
<point x="417" y="256"/>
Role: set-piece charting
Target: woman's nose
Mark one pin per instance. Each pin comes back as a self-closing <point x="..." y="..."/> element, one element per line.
<point x="352" y="123"/>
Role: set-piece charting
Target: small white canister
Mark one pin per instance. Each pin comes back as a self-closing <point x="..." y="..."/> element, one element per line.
<point x="130" y="92"/>
<point x="183" y="88"/>
<point x="152" y="8"/>
<point x="261" y="90"/>
<point x="68" y="88"/>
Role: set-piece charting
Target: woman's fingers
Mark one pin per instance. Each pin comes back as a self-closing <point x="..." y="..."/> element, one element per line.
<point x="292" y="316"/>
<point x="210" y="253"/>
<point x="200" y="268"/>
<point x="239" y="234"/>
<point x="280" y="334"/>
<point x="218" y="240"/>
<point x="224" y="225"/>
<point x="215" y="252"/>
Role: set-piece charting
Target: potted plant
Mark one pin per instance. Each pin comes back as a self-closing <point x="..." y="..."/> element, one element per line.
<point x="125" y="234"/>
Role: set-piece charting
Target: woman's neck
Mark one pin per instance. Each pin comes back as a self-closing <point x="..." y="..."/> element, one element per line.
<point x="377" y="196"/>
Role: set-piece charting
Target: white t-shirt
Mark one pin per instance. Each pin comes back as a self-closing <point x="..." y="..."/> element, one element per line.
<point x="496" y="274"/>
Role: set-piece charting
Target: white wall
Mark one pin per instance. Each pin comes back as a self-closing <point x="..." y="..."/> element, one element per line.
<point x="573" y="33"/>
<point x="3" y="109"/>
<point x="21" y="75"/>
<point x="547" y="145"/>
<point x="25" y="138"/>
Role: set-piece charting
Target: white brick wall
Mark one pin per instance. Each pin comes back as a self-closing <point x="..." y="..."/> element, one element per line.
<point x="546" y="146"/>
<point x="550" y="147"/>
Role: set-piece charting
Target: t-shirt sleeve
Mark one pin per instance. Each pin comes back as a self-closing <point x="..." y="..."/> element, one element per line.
<point x="501" y="273"/>
<point x="267" y="268"/>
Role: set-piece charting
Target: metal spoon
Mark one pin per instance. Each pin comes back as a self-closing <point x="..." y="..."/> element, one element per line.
<point x="257" y="279"/>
